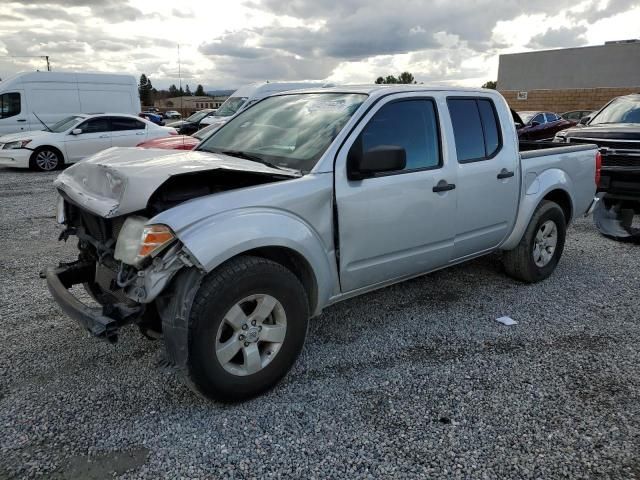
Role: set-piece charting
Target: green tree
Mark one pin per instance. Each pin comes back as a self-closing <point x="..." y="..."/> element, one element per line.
<point x="492" y="84"/>
<point x="200" y="91"/>
<point x="187" y="91"/>
<point x="390" y="79"/>
<point x="173" y="91"/>
<point x="145" y="90"/>
<point x="406" y="78"/>
<point x="379" y="80"/>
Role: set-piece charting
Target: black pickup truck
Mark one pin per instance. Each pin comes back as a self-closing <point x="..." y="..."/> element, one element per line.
<point x="616" y="130"/>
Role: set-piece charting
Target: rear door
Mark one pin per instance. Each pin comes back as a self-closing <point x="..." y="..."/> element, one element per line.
<point x="395" y="225"/>
<point x="127" y="131"/>
<point x="95" y="137"/>
<point x="487" y="176"/>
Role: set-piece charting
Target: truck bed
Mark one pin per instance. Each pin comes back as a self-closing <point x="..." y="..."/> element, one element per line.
<point x="532" y="149"/>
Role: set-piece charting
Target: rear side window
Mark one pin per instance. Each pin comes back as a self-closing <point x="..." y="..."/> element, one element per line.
<point x="125" y="123"/>
<point x="476" y="128"/>
<point x="538" y="118"/>
<point x="410" y="124"/>
<point x="9" y="104"/>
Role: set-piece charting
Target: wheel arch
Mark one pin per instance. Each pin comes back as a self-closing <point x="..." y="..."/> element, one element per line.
<point x="58" y="150"/>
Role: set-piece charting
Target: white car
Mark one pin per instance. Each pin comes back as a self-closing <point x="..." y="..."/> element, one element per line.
<point x="75" y="138"/>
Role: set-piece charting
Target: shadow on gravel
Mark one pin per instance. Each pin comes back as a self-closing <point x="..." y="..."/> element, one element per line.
<point x="99" y="467"/>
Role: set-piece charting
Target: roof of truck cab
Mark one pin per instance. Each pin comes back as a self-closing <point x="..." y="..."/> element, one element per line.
<point x="372" y="90"/>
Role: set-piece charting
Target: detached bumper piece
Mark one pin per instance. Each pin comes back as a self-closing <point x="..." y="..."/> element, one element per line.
<point x="102" y="322"/>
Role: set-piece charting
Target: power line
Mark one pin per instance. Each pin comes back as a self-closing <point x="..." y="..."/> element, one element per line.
<point x="46" y="57"/>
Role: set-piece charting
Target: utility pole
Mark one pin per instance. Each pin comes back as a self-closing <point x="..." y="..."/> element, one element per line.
<point x="48" y="65"/>
<point x="180" y="82"/>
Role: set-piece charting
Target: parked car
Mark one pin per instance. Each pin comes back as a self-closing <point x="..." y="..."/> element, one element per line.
<point x="29" y="99"/>
<point x="576" y="115"/>
<point x="616" y="130"/>
<point x="302" y="201"/>
<point x="179" y="142"/>
<point x="152" y="117"/>
<point x="192" y="123"/>
<point x="247" y="95"/>
<point x="75" y="138"/>
<point x="152" y="110"/>
<point x="171" y="115"/>
<point x="541" y="125"/>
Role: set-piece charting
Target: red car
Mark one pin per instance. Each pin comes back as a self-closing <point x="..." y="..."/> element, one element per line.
<point x="179" y="142"/>
<point x="541" y="125"/>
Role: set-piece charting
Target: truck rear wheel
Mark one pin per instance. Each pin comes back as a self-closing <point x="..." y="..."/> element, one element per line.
<point x="541" y="246"/>
<point x="247" y="327"/>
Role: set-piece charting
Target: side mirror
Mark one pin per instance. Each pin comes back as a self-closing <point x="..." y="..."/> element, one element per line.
<point x="535" y="124"/>
<point x="76" y="131"/>
<point x="383" y="158"/>
<point x="584" y="120"/>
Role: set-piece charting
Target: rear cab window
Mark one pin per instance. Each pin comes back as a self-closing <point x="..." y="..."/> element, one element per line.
<point x="476" y="128"/>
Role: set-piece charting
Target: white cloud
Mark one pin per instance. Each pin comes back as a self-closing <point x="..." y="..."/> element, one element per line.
<point x="351" y="41"/>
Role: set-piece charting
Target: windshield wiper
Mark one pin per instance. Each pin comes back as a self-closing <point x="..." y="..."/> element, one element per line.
<point x="255" y="158"/>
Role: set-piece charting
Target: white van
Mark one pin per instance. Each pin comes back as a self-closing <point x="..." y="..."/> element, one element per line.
<point x="52" y="96"/>
<point x="246" y="96"/>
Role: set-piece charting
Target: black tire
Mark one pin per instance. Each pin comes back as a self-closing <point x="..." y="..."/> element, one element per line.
<point x="46" y="159"/>
<point x="222" y="289"/>
<point x="519" y="263"/>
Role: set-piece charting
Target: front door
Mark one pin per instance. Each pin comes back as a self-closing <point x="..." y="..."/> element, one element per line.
<point x="488" y="182"/>
<point x="95" y="137"/>
<point x="395" y="225"/>
<point x="14" y="114"/>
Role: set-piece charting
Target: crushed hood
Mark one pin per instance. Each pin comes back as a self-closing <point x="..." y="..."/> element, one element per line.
<point x="12" y="137"/>
<point x="118" y="181"/>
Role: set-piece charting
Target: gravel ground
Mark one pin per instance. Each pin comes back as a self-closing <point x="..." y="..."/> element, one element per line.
<point x="417" y="380"/>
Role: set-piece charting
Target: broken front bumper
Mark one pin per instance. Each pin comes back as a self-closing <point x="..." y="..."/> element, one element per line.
<point x="102" y="322"/>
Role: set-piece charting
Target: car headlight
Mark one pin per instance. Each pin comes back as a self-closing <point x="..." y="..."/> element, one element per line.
<point x="138" y="241"/>
<point x="15" y="145"/>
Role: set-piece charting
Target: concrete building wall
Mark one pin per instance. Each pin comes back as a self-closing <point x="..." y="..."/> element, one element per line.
<point x="602" y="66"/>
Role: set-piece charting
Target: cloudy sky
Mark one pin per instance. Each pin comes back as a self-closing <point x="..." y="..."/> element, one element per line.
<point x="226" y="43"/>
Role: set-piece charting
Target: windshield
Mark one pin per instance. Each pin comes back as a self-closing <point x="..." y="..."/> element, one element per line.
<point x="621" y="110"/>
<point x="196" y="117"/>
<point x="526" y="116"/>
<point x="200" y="134"/>
<point x="65" y="124"/>
<point x="291" y="131"/>
<point x="230" y="106"/>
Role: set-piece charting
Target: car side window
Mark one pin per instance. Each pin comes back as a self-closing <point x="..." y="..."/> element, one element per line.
<point x="476" y="128"/>
<point x="410" y="124"/>
<point x="125" y="123"/>
<point x="538" y="118"/>
<point x="551" y="117"/>
<point x="95" y="125"/>
<point x="9" y="104"/>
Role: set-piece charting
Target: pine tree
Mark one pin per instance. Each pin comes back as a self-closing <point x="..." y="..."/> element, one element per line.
<point x="200" y="91"/>
<point x="144" y="89"/>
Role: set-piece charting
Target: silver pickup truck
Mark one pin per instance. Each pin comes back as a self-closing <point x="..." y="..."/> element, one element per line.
<point x="305" y="199"/>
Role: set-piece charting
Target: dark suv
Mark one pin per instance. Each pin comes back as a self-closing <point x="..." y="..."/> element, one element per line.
<point x="616" y="130"/>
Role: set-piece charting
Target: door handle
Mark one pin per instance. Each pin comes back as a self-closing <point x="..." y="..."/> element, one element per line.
<point x="140" y="133"/>
<point x="504" y="173"/>
<point x="443" y="186"/>
<point x="21" y="120"/>
<point x="103" y="136"/>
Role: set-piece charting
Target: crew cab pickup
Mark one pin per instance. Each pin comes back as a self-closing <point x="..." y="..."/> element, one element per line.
<point x="305" y="199"/>
<point x="616" y="130"/>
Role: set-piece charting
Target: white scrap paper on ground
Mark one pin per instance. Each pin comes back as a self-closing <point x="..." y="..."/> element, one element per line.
<point x="507" y="321"/>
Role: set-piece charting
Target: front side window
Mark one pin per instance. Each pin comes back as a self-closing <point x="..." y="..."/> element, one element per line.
<point x="410" y="124"/>
<point x="125" y="123"/>
<point x="291" y="131"/>
<point x="476" y="128"/>
<point x="95" y="125"/>
<point x="620" y="110"/>
<point x="538" y="118"/>
<point x="9" y="104"/>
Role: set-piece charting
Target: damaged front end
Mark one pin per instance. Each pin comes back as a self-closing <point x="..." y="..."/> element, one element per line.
<point x="123" y="264"/>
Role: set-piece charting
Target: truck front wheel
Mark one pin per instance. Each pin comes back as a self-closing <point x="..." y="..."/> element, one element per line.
<point x="540" y="249"/>
<point x="247" y="327"/>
